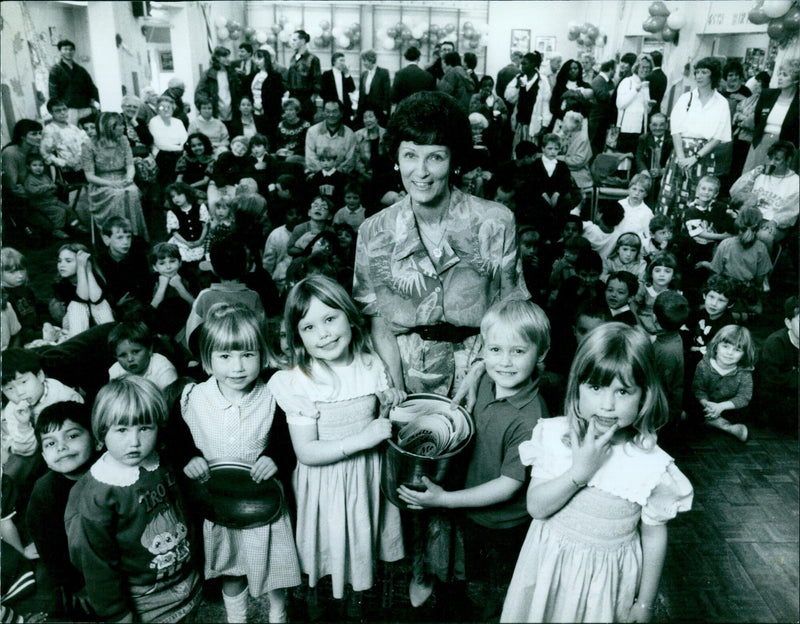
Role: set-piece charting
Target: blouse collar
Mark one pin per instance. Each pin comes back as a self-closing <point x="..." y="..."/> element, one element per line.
<point x="112" y="472"/>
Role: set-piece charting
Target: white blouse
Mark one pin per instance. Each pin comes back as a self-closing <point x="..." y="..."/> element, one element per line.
<point x="632" y="105"/>
<point x="691" y="119"/>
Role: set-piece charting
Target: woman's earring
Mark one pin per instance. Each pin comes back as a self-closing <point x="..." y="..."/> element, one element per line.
<point x="397" y="167"/>
<point x="457" y="171"/>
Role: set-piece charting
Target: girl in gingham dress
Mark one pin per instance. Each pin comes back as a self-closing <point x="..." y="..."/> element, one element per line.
<point x="230" y="416"/>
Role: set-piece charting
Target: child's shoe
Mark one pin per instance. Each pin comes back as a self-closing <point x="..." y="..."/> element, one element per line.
<point x="740" y="431"/>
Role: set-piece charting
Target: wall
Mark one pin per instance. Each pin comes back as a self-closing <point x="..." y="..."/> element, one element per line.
<point x="133" y="51"/>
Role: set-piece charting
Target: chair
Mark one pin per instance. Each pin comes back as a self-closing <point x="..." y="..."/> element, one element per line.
<point x="607" y="183"/>
<point x="58" y="176"/>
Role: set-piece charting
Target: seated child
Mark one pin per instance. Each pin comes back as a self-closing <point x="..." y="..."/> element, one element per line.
<point x="229" y="263"/>
<point x="126" y="527"/>
<point x="64" y="433"/>
<point x="776" y="382"/>
<point x="41" y="194"/>
<point x="660" y="232"/>
<point x="745" y="259"/>
<point x="659" y="277"/>
<point x="29" y="311"/>
<point x="626" y="256"/>
<point x="229" y="167"/>
<point x="187" y="221"/>
<point x="252" y="217"/>
<point x="353" y="213"/>
<point x="723" y="380"/>
<point x="516" y="339"/>
<point x="319" y="215"/>
<point x="276" y="258"/>
<point x="281" y="197"/>
<point x="602" y="234"/>
<point x="132" y="345"/>
<point x="192" y="167"/>
<point x="670" y="311"/>
<point x="211" y="127"/>
<point x="621" y="287"/>
<point x="328" y="181"/>
<point x="264" y="166"/>
<point x="78" y="298"/>
<point x="27" y="391"/>
<point x="172" y="293"/>
<point x="564" y="267"/>
<point x="534" y="269"/>
<point x="637" y="213"/>
<point x="122" y="265"/>
<point x="585" y="284"/>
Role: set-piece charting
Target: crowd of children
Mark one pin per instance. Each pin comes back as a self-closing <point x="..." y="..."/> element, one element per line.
<point x="232" y="334"/>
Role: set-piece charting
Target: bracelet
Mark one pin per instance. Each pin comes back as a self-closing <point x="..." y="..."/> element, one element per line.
<point x="341" y="448"/>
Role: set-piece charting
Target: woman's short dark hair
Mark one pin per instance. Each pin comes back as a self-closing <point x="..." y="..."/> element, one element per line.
<point x="264" y="54"/>
<point x="712" y="65"/>
<point x="487" y="81"/>
<point x="430" y="118"/>
<point x="763" y="79"/>
<point x="452" y="59"/>
<point x="470" y="60"/>
<point x="782" y="146"/>
<point x="735" y="67"/>
<point x="24" y="127"/>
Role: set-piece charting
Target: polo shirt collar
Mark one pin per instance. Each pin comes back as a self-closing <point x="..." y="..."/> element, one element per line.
<point x="523" y="396"/>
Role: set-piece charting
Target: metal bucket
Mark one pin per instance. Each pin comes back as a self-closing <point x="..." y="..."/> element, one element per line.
<point x="403" y="468"/>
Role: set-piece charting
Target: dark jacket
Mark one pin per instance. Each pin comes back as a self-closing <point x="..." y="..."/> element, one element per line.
<point x="209" y="87"/>
<point x="328" y="92"/>
<point x="304" y="76"/>
<point x="75" y="86"/>
<point x="272" y="90"/>
<point x="457" y="83"/>
<point x="644" y="151"/>
<point x="379" y="97"/>
<point x="789" y="129"/>
<point x="658" y="86"/>
<point x="410" y="80"/>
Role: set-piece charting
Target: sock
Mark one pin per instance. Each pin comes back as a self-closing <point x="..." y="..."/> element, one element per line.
<point x="236" y="607"/>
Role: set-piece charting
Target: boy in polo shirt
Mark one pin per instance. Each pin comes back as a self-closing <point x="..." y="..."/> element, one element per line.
<point x="516" y="338"/>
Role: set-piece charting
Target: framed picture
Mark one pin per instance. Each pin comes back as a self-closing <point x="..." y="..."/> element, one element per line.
<point x="53" y="35"/>
<point x="165" y="59"/>
<point x="545" y="45"/>
<point x="521" y="40"/>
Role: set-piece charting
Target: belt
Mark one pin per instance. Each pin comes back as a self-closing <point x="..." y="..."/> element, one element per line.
<point x="444" y="332"/>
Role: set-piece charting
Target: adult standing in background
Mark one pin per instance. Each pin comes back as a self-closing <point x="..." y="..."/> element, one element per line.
<point x="220" y="83"/>
<point x="305" y="75"/>
<point x="149" y="107"/>
<point x="529" y="93"/>
<point x="776" y="116"/>
<point x="633" y="105"/>
<point x="507" y="74"/>
<point x="744" y="123"/>
<point x="267" y="88"/>
<point x="437" y="67"/>
<point x="245" y="66"/>
<point x="700" y="121"/>
<point x="455" y="82"/>
<point x="570" y="90"/>
<point x="601" y="113"/>
<point x="412" y="78"/>
<point x="337" y="84"/>
<point x="657" y="79"/>
<point x="374" y="89"/>
<point x="175" y="89"/>
<point x="72" y="83"/>
<point x="551" y="71"/>
<point x="470" y="64"/>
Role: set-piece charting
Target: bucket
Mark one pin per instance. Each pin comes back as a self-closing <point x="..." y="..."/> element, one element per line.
<point x="401" y="467"/>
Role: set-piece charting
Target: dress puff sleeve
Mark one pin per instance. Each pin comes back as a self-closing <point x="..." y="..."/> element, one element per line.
<point x="671" y="495"/>
<point x="299" y="409"/>
<point x="546" y="452"/>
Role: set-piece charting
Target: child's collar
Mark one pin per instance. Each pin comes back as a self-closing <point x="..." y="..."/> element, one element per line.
<point x="329" y="172"/>
<point x="112" y="472"/>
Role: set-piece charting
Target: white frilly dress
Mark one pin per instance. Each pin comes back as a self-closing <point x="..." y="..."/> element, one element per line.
<point x="583" y="563"/>
<point x="344" y="524"/>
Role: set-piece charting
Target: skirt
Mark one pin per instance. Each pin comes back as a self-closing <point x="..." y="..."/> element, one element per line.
<point x="107" y="201"/>
<point x="678" y="186"/>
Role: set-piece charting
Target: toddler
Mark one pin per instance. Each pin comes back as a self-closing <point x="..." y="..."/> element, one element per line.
<point x="516" y="338"/>
<point x="64" y="434"/>
<point x="331" y="397"/>
<point x="723" y="380"/>
<point x="621" y="287"/>
<point x="187" y="221"/>
<point x="626" y="256"/>
<point x="131" y="343"/>
<point x="261" y="558"/>
<point x="353" y="213"/>
<point x="660" y="276"/>
<point x="41" y="194"/>
<point x="222" y="222"/>
<point x="602" y="455"/>
<point x="319" y="215"/>
<point x="193" y="165"/>
<point x="78" y="297"/>
<point x="126" y="528"/>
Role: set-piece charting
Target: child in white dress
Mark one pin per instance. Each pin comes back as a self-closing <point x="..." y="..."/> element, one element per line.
<point x="230" y="416"/>
<point x="331" y="396"/>
<point x="601" y="491"/>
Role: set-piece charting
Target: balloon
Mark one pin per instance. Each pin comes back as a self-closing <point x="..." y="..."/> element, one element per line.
<point x="272" y="38"/>
<point x="593" y="31"/>
<point x="315" y="31"/>
<point x="418" y="31"/>
<point x="676" y="20"/>
<point x="283" y="20"/>
<point x="777" y="8"/>
<point x="343" y="41"/>
<point x="284" y="36"/>
<point x="222" y="34"/>
<point x="326" y="39"/>
<point x="585" y="28"/>
<point x="388" y="44"/>
<point x="275" y="28"/>
<point x="658" y="9"/>
<point x="669" y="35"/>
<point x="234" y="25"/>
<point x="391" y="32"/>
<point x="582" y="40"/>
<point x="235" y="34"/>
<point x="324" y="24"/>
<point x="449" y="27"/>
<point x="318" y="42"/>
<point x="654" y="24"/>
<point x="261" y="36"/>
<point x="221" y="22"/>
<point x="337" y="31"/>
<point x="777" y="29"/>
<point x="249" y="32"/>
<point x="573" y="35"/>
<point x="474" y="44"/>
<point x="792" y="20"/>
<point x="757" y="16"/>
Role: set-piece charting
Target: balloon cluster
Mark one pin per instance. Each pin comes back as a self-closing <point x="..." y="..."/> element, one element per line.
<point x="474" y="37"/>
<point x="402" y="35"/>
<point x="323" y="34"/>
<point x="783" y="17"/>
<point x="585" y="34"/>
<point x="662" y="20"/>
<point x="229" y="29"/>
